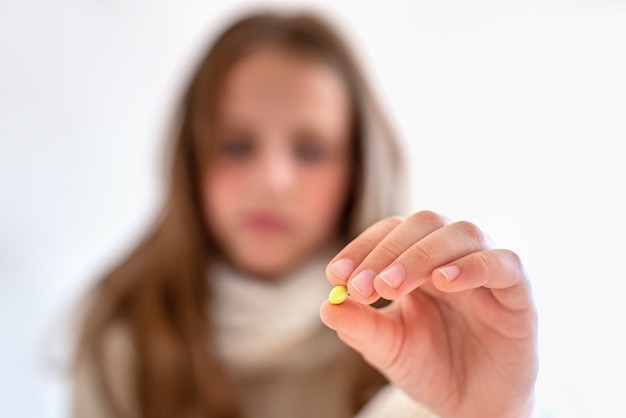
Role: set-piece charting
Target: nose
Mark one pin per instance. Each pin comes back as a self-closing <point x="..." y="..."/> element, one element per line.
<point x="276" y="171"/>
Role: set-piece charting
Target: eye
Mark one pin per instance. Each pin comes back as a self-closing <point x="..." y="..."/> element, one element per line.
<point x="236" y="147"/>
<point x="309" y="148"/>
<point x="310" y="153"/>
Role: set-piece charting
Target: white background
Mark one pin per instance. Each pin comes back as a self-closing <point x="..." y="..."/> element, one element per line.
<point x="513" y="113"/>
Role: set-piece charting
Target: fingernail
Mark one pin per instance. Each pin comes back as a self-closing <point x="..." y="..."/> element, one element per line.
<point x="364" y="283"/>
<point x="450" y="272"/>
<point x="393" y="276"/>
<point x="342" y="268"/>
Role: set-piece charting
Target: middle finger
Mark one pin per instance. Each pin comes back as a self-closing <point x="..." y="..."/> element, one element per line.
<point x="391" y="246"/>
<point x="415" y="265"/>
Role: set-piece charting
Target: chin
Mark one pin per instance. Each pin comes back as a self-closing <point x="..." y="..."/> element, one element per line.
<point x="266" y="266"/>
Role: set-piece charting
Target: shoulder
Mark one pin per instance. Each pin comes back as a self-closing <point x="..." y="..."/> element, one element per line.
<point x="99" y="388"/>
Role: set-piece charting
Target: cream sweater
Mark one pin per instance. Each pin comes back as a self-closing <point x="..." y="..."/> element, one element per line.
<point x="284" y="361"/>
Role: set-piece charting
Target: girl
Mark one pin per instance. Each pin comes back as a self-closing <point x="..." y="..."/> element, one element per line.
<point x="281" y="158"/>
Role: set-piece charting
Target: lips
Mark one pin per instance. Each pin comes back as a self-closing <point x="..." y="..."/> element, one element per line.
<point x="266" y="222"/>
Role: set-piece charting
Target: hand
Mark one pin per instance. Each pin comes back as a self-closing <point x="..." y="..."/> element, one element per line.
<point x="460" y="334"/>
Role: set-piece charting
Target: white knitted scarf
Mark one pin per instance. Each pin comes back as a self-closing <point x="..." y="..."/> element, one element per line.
<point x="273" y="328"/>
<point x="260" y="324"/>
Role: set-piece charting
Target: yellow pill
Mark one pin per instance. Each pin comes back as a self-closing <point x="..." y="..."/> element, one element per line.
<point x="338" y="295"/>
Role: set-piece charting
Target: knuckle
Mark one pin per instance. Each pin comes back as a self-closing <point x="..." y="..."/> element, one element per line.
<point x="371" y="237"/>
<point x="484" y="262"/>
<point x="429" y="217"/>
<point x="514" y="257"/>
<point x="473" y="233"/>
<point x="516" y="263"/>
<point x="393" y="220"/>
<point x="364" y="243"/>
<point x="389" y="249"/>
<point x="423" y="251"/>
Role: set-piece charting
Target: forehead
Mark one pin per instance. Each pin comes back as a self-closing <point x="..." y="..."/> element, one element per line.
<point x="277" y="87"/>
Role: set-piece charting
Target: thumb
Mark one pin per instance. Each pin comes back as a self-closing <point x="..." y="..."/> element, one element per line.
<point x="370" y="331"/>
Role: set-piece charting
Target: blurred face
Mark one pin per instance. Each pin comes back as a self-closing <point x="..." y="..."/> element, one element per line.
<point x="278" y="180"/>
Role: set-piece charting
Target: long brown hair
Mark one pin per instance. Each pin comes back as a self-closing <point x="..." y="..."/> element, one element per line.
<point x="159" y="294"/>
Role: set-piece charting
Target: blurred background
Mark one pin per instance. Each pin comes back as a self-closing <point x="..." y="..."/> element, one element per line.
<point x="512" y="114"/>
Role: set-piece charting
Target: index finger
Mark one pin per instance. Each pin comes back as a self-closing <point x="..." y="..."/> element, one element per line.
<point x="344" y="263"/>
<point x="378" y="246"/>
